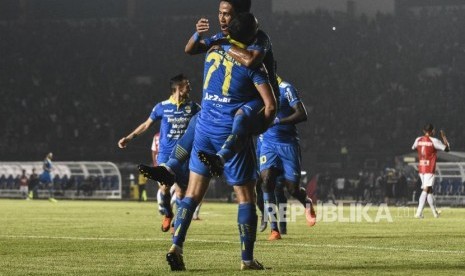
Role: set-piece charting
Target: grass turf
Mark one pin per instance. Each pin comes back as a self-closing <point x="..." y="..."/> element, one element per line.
<point x="124" y="238"/>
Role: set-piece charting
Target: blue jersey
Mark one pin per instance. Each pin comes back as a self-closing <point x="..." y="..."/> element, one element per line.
<point x="46" y="176"/>
<point x="263" y="44"/>
<point x="47" y="166"/>
<point x="174" y="120"/>
<point x="289" y="97"/>
<point x="227" y="86"/>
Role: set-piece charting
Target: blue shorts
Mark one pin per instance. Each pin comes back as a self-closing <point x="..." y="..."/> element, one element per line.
<point x="282" y="156"/>
<point x="45" y="177"/>
<point x="238" y="170"/>
<point x="182" y="172"/>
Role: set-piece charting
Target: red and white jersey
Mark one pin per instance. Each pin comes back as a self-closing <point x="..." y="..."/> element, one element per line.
<point x="427" y="147"/>
<point x="156" y="142"/>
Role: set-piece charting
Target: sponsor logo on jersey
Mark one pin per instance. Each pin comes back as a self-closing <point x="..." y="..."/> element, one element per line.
<point x="216" y="98"/>
<point x="425" y="144"/>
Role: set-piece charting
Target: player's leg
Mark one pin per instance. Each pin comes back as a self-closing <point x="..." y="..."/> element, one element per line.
<point x="261" y="204"/>
<point x="270" y="166"/>
<point x="247" y="223"/>
<point x="164" y="206"/>
<point x="199" y="179"/>
<point x="289" y="155"/>
<point x="248" y="121"/>
<point x="197" y="188"/>
<point x="241" y="173"/>
<point x="423" y="196"/>
<point x="171" y="170"/>
<point x="269" y="177"/>
<point x="281" y="201"/>
<point x="428" y="184"/>
<point x="197" y="212"/>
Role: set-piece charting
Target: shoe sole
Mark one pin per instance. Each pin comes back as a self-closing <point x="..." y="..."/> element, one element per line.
<point x="205" y="160"/>
<point x="155" y="176"/>
<point x="174" y="263"/>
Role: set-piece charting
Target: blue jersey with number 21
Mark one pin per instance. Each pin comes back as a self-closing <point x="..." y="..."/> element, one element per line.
<point x="227" y="86"/>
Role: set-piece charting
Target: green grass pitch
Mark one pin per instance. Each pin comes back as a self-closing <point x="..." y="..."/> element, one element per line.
<point x="124" y="238"/>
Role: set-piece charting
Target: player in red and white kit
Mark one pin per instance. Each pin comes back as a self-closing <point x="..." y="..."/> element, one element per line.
<point x="427" y="146"/>
<point x="155" y="146"/>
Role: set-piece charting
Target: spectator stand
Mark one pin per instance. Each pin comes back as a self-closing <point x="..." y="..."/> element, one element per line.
<point x="73" y="180"/>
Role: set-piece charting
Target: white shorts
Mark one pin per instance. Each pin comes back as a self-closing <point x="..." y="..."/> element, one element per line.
<point x="427" y="180"/>
<point x="24" y="189"/>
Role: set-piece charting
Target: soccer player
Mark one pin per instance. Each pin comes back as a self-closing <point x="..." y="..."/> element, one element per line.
<point x="46" y="177"/>
<point x="227" y="86"/>
<point x="23" y="185"/>
<point x="33" y="185"/>
<point x="427" y="146"/>
<point x="280" y="153"/>
<point x="260" y="51"/>
<point x="174" y="114"/>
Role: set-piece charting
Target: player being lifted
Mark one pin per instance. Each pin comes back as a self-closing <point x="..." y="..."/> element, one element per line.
<point x="227" y="86"/>
<point x="427" y="146"/>
<point x="175" y="114"/>
<point x="260" y="51"/>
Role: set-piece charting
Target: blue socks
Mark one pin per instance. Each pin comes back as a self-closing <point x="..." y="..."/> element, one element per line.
<point x="183" y="220"/>
<point x="270" y="209"/>
<point x="247" y="223"/>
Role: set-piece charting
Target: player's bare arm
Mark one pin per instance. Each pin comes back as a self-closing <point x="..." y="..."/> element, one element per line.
<point x="248" y="58"/>
<point x="196" y="45"/>
<point x="123" y="142"/>
<point x="444" y="140"/>
<point x="269" y="100"/>
<point x="299" y="115"/>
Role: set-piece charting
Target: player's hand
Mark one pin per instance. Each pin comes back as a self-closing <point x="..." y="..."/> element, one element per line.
<point x="123" y="142"/>
<point x="202" y="26"/>
<point x="214" y="47"/>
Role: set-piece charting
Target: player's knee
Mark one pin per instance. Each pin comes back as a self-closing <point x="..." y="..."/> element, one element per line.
<point x="294" y="189"/>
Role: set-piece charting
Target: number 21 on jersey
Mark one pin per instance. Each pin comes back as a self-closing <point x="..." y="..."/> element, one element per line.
<point x="219" y="60"/>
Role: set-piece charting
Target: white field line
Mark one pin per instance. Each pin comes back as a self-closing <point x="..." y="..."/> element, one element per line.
<point x="335" y="246"/>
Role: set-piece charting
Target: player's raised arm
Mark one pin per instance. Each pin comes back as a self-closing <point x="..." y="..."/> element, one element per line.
<point x="254" y="55"/>
<point x="196" y="45"/>
<point x="444" y="140"/>
<point x="122" y="143"/>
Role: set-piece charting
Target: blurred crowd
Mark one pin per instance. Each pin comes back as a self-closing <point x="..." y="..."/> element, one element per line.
<point x="369" y="84"/>
<point x="60" y="184"/>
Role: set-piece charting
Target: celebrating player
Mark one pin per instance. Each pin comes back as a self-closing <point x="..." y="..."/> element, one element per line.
<point x="260" y="51"/>
<point x="280" y="154"/>
<point x="227" y="86"/>
<point x="46" y="177"/>
<point x="175" y="114"/>
<point x="427" y="146"/>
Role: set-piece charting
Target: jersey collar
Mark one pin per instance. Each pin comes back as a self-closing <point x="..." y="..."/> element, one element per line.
<point x="173" y="101"/>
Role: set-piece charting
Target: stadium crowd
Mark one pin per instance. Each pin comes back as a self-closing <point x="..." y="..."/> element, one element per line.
<point x="369" y="83"/>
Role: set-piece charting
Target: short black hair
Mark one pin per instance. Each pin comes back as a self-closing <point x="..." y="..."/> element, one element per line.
<point x="240" y="6"/>
<point x="428" y="127"/>
<point x="177" y="80"/>
<point x="243" y="27"/>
